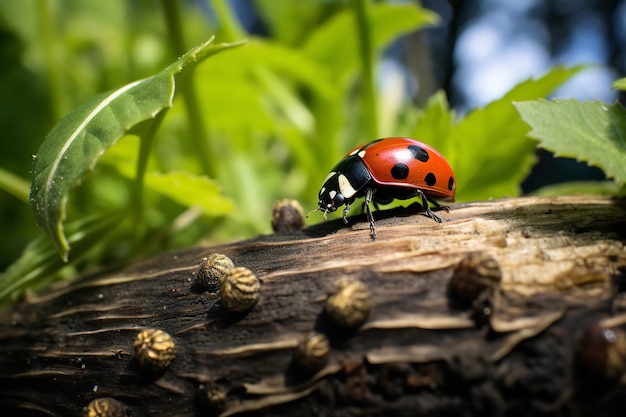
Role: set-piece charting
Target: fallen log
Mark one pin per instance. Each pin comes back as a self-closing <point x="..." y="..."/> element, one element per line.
<point x="513" y="307"/>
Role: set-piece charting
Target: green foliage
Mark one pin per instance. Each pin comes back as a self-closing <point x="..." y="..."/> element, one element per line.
<point x="590" y="131"/>
<point x="76" y="143"/>
<point x="581" y="187"/>
<point x="259" y="123"/>
<point x="488" y="149"/>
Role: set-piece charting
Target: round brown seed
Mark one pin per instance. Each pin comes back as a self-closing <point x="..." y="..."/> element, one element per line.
<point x="313" y="351"/>
<point x="602" y="352"/>
<point x="154" y="349"/>
<point x="287" y="217"/>
<point x="474" y="280"/>
<point x="105" y="407"/>
<point x="215" y="395"/>
<point x="212" y="271"/>
<point x="240" y="290"/>
<point x="348" y="303"/>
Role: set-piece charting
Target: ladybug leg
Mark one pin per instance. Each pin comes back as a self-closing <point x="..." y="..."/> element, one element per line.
<point x="345" y="212"/>
<point x="369" y="194"/>
<point x="439" y="206"/>
<point x="427" y="209"/>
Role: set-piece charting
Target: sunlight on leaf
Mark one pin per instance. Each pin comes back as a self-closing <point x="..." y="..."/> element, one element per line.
<point x="335" y="42"/>
<point x="190" y="190"/>
<point x="74" y="145"/>
<point x="620" y="84"/>
<point x="591" y="131"/>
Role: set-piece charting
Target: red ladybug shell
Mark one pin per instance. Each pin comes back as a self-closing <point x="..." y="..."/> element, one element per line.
<point x="407" y="163"/>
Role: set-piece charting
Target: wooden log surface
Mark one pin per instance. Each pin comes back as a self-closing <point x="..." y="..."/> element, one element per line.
<point x="546" y="340"/>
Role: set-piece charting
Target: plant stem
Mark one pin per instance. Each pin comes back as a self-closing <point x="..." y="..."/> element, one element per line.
<point x="232" y="29"/>
<point x="52" y="56"/>
<point x="284" y="97"/>
<point x="14" y="185"/>
<point x="145" y="146"/>
<point x="199" y="132"/>
<point x="369" y="108"/>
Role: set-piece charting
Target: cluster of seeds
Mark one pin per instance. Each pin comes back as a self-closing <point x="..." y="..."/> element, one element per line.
<point x="474" y="283"/>
<point x="348" y="305"/>
<point x="155" y="349"/>
<point x="239" y="287"/>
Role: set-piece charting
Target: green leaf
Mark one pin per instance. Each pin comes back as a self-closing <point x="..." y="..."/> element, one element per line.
<point x="620" y="84"/>
<point x="40" y="264"/>
<point x="436" y="123"/>
<point x="190" y="190"/>
<point x="581" y="187"/>
<point x="488" y="149"/>
<point x="75" y="144"/>
<point x="290" y="20"/>
<point x="335" y="43"/>
<point x="591" y="131"/>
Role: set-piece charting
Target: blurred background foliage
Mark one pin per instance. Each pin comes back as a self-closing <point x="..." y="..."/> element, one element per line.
<point x="267" y="120"/>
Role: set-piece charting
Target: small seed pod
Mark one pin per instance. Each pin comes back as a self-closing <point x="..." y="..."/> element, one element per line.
<point x="474" y="280"/>
<point x="154" y="349"/>
<point x="287" y="217"/>
<point x="602" y="352"/>
<point x="105" y="407"/>
<point x="215" y="396"/>
<point x="212" y="270"/>
<point x="312" y="352"/>
<point x="348" y="303"/>
<point x="240" y="290"/>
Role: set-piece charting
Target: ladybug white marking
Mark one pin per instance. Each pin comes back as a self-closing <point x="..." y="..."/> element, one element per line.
<point x="345" y="187"/>
<point x="328" y="176"/>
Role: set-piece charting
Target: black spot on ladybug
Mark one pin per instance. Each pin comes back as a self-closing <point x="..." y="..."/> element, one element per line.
<point x="400" y="171"/>
<point x="419" y="153"/>
<point x="430" y="179"/>
<point x="450" y="183"/>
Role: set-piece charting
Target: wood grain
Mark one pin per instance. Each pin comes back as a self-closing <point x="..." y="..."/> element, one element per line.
<point x="563" y="267"/>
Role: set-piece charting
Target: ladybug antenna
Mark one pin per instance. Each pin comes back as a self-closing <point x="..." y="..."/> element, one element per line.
<point x="319" y="208"/>
<point x="310" y="212"/>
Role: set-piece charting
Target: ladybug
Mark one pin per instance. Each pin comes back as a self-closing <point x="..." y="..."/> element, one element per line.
<point x="386" y="169"/>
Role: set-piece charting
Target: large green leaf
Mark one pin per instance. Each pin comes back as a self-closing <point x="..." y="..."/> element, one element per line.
<point x="488" y="149"/>
<point x="191" y="190"/>
<point x="591" y="131"/>
<point x="335" y="43"/>
<point x="77" y="142"/>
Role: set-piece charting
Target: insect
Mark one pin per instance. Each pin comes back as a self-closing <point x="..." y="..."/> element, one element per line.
<point x="386" y="169"/>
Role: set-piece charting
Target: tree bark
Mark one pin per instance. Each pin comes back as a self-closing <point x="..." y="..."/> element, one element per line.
<point x="544" y="340"/>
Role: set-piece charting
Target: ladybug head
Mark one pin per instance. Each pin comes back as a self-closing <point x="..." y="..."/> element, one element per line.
<point x="342" y="185"/>
<point x="330" y="200"/>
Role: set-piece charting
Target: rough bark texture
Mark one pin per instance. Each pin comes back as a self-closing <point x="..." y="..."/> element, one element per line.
<point x="546" y="341"/>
